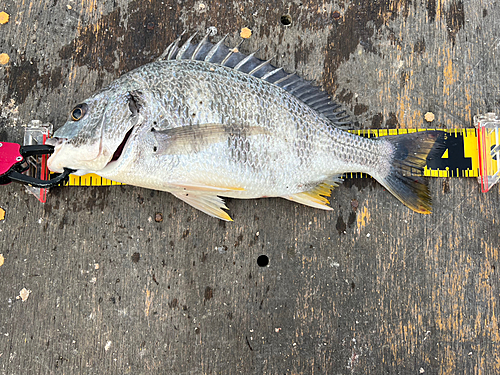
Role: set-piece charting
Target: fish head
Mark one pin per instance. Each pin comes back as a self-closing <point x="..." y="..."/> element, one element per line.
<point x="96" y="132"/>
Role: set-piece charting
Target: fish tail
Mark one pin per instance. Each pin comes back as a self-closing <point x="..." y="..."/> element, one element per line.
<point x="406" y="162"/>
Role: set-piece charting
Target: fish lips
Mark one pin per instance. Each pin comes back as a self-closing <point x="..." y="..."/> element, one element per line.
<point x="54" y="161"/>
<point x="82" y="158"/>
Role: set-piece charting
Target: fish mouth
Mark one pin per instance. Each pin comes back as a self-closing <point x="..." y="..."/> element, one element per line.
<point x="55" y="141"/>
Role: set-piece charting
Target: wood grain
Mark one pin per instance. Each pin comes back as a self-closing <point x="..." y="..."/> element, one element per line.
<point x="369" y="288"/>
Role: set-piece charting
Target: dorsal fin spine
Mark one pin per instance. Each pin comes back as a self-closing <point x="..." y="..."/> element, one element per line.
<point x="198" y="47"/>
<point x="231" y="51"/>
<point x="271" y="73"/>
<point x="323" y="106"/>
<point x="166" y="52"/>
<point x="172" y="48"/>
<point x="258" y="67"/>
<point x="172" y="51"/>
<point x="319" y="100"/>
<point x="305" y="83"/>
<point x="284" y="78"/>
<point x="293" y="82"/>
<point x="244" y="61"/>
<point x="305" y="93"/>
<point x="214" y="49"/>
<point x="185" y="46"/>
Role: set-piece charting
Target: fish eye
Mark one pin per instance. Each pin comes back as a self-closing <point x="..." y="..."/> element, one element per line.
<point x="78" y="112"/>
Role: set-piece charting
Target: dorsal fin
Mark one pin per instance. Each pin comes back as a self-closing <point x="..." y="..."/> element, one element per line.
<point x="220" y="54"/>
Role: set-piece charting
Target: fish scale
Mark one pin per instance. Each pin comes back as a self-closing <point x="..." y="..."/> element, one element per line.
<point x="210" y="122"/>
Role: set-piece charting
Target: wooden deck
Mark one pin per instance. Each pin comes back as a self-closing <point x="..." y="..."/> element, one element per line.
<point x="125" y="280"/>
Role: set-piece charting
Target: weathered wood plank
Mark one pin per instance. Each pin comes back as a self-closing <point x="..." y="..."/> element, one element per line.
<point x="369" y="288"/>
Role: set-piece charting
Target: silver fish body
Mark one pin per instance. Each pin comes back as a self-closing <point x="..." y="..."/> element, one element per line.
<point x="202" y="130"/>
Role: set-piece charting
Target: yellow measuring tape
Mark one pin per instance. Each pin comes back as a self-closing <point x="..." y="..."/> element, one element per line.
<point x="90" y="179"/>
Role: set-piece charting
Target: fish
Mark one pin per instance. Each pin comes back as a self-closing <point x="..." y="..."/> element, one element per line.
<point x="205" y="121"/>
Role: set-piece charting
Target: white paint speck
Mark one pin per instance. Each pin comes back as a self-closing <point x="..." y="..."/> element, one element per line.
<point x="24" y="294"/>
<point x="107" y="346"/>
<point x="220" y="249"/>
<point x="212" y="30"/>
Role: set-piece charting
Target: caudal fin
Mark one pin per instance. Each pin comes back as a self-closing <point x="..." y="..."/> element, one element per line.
<point x="410" y="152"/>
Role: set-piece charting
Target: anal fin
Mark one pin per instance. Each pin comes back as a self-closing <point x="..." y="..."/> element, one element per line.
<point x="317" y="197"/>
<point x="210" y="204"/>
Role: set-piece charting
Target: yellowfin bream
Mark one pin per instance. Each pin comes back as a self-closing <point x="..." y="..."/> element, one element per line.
<point x="205" y="121"/>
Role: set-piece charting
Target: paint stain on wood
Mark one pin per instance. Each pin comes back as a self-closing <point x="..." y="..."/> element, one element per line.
<point x="173" y="304"/>
<point x="135" y="257"/>
<point x="23" y="77"/>
<point x="148" y="302"/>
<point x="361" y="21"/>
<point x="209" y="293"/>
<point x="455" y="18"/>
<point x="363" y="218"/>
<point x="341" y="225"/>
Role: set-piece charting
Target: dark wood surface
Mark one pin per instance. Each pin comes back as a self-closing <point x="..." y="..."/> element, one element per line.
<point x="369" y="288"/>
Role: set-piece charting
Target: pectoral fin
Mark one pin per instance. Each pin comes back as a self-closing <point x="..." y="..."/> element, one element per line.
<point x="208" y="203"/>
<point x="194" y="138"/>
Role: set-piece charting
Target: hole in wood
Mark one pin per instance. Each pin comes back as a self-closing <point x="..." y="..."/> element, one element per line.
<point x="262" y="260"/>
<point x="286" y="20"/>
